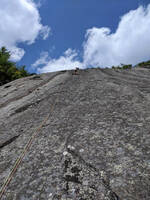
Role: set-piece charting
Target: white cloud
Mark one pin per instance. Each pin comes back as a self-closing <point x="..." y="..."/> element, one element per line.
<point x="66" y="62"/>
<point x="128" y="45"/>
<point x="101" y="48"/>
<point x="16" y="53"/>
<point x="42" y="60"/>
<point x="45" y="32"/>
<point x="20" y="22"/>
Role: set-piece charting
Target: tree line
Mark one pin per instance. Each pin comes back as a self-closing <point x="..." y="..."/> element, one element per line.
<point x="9" y="71"/>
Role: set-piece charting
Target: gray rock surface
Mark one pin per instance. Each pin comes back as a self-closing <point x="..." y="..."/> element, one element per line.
<point x="95" y="143"/>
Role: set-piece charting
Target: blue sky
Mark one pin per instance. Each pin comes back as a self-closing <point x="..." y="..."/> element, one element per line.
<point x="54" y="32"/>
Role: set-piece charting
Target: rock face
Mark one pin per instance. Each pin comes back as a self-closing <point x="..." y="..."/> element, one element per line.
<point x="95" y="143"/>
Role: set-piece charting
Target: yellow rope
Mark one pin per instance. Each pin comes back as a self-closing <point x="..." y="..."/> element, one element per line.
<point x="20" y="158"/>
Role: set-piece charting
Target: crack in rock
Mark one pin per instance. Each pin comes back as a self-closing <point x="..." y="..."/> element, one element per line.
<point x="9" y="141"/>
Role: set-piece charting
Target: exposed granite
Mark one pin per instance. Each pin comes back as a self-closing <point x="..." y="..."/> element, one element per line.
<point x="95" y="144"/>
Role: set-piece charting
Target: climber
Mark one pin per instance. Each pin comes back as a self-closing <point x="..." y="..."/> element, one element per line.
<point x="76" y="71"/>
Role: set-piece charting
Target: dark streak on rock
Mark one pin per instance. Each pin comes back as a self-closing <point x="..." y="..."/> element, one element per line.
<point x="113" y="195"/>
<point x="9" y="141"/>
<point x="27" y="92"/>
<point x="71" y="178"/>
<point x="7" y="86"/>
<point x="23" y="108"/>
<point x="37" y="77"/>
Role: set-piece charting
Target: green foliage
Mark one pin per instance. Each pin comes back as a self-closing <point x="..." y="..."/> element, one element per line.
<point x="8" y="69"/>
<point x="126" y="66"/>
<point x="144" y="64"/>
<point x="122" y="67"/>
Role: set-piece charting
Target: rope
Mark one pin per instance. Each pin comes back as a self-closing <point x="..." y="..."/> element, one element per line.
<point x="20" y="158"/>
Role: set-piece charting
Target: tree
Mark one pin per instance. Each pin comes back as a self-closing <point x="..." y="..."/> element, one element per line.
<point x="8" y="69"/>
<point x="144" y="64"/>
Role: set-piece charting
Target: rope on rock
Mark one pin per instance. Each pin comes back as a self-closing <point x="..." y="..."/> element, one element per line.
<point x="26" y="148"/>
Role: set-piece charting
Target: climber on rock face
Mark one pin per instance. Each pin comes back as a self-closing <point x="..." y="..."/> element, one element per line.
<point x="76" y="71"/>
